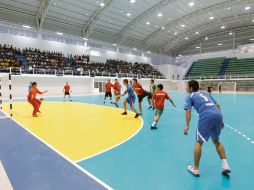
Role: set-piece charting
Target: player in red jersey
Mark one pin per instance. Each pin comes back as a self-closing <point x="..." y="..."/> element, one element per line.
<point x="108" y="93"/>
<point x="159" y="97"/>
<point x="31" y="98"/>
<point x="141" y="93"/>
<point x="67" y="90"/>
<point x="117" y="91"/>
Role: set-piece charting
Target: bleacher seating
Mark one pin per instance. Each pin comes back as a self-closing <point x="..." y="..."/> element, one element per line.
<point x="32" y="60"/>
<point x="240" y="66"/>
<point x="206" y="67"/>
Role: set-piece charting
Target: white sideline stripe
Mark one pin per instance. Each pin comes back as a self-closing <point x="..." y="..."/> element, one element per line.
<point x="5" y="183"/>
<point x="70" y="161"/>
<point x="239" y="132"/>
<point x="142" y="124"/>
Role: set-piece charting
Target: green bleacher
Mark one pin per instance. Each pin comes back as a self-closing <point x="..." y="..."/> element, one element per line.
<point x="240" y="67"/>
<point x="206" y="68"/>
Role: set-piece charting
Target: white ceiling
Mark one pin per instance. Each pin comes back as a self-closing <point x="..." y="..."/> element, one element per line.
<point x="86" y="18"/>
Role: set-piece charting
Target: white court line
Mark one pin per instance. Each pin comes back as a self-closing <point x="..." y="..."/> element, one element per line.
<point x="115" y="145"/>
<point x="70" y="161"/>
<point x="237" y="131"/>
<point x="5" y="183"/>
<point x="83" y="159"/>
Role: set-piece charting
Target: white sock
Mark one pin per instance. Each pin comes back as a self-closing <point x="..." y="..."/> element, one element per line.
<point x="154" y="123"/>
<point x="224" y="162"/>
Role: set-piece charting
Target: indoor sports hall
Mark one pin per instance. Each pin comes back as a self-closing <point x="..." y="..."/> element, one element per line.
<point x="126" y="94"/>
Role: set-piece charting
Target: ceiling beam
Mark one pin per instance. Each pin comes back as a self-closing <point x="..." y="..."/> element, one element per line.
<point x="121" y="35"/>
<point x="95" y="17"/>
<point x="42" y="12"/>
<point x="146" y="41"/>
<point x="177" y="42"/>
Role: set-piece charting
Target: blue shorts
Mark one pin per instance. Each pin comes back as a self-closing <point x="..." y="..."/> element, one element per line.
<point x="130" y="100"/>
<point x="209" y="125"/>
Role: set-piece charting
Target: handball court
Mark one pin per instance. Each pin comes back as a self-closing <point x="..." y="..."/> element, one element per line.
<point x="87" y="145"/>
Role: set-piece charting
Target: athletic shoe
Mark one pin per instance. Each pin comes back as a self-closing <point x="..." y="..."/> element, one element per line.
<point x="225" y="169"/>
<point x="153" y="108"/>
<point x="35" y="115"/>
<point x="137" y="115"/>
<point x="150" y="107"/>
<point x="116" y="105"/>
<point x="153" y="127"/>
<point x="193" y="171"/>
<point x="124" y="113"/>
<point x="104" y="102"/>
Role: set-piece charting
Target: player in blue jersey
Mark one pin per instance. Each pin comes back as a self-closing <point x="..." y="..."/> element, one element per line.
<point x="130" y="99"/>
<point x="209" y="125"/>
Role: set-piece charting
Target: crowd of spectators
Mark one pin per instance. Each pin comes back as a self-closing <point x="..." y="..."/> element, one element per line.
<point x="49" y="62"/>
<point x="7" y="56"/>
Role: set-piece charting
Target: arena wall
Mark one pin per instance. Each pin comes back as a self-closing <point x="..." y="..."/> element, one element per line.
<point x="79" y="85"/>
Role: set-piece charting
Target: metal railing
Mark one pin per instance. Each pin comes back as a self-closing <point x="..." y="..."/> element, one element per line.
<point x="70" y="72"/>
<point x="226" y="77"/>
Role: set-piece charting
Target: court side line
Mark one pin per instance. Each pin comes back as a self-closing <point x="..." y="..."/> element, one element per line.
<point x="63" y="156"/>
<point x="4" y="180"/>
<point x="142" y="124"/>
<point x="231" y="128"/>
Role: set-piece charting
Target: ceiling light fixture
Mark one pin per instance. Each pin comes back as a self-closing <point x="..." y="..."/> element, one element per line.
<point x="186" y="38"/>
<point x="252" y="39"/>
<point x="220" y="44"/>
<point x="191" y="4"/>
<point x="148" y="23"/>
<point x="132" y="1"/>
<point x="182" y="25"/>
<point x="85" y="39"/>
<point x="211" y="18"/>
<point x="179" y="55"/>
<point x="159" y="15"/>
<point x="222" y="27"/>
<point x="163" y="27"/>
<point x="247" y="8"/>
<point x="197" y="47"/>
<point x="175" y="33"/>
<point x="102" y="4"/>
<point x="59" y="33"/>
<point x="230" y="33"/>
<point x="197" y="33"/>
<point x="128" y="14"/>
<point x="206" y="38"/>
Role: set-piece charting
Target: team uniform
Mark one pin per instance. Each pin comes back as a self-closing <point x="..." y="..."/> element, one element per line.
<point x="210" y="118"/>
<point x="153" y="88"/>
<point x="209" y="89"/>
<point x="108" y="87"/>
<point x="31" y="98"/>
<point x="117" y="89"/>
<point x="131" y="96"/>
<point x="141" y="93"/>
<point x="67" y="90"/>
<point x="159" y="97"/>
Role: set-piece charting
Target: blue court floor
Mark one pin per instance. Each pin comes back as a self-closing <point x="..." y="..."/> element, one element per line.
<point x="150" y="160"/>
